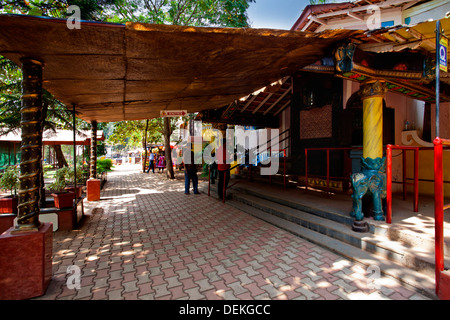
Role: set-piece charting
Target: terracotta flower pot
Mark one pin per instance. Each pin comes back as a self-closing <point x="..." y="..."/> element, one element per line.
<point x="63" y="199"/>
<point x="72" y="189"/>
<point x="9" y="204"/>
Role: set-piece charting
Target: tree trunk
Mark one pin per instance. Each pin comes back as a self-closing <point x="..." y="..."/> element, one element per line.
<point x="31" y="147"/>
<point x="60" y="159"/>
<point x="145" y="147"/>
<point x="93" y="158"/>
<point x="42" y="182"/>
<point x="168" y="152"/>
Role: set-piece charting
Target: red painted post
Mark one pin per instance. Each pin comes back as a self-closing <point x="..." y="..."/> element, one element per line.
<point x="284" y="164"/>
<point x="306" y="169"/>
<point x="416" y="180"/>
<point x="389" y="184"/>
<point x="404" y="173"/>
<point x="328" y="171"/>
<point x="270" y="157"/>
<point x="438" y="210"/>
<point x="224" y="186"/>
<point x="209" y="180"/>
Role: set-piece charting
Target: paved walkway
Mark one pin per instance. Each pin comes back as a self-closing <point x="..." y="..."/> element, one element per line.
<point x="146" y="239"/>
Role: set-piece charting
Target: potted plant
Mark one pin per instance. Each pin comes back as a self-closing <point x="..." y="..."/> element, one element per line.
<point x="103" y="166"/>
<point x="9" y="181"/>
<point x="63" y="198"/>
<point x="71" y="183"/>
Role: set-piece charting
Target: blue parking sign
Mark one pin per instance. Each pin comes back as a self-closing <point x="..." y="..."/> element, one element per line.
<point x="443" y="45"/>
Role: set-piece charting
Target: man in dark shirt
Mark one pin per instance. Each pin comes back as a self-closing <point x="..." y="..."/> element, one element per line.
<point x="223" y="169"/>
<point x="190" y="173"/>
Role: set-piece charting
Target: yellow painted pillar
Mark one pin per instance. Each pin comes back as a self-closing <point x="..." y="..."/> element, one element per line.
<point x="372" y="95"/>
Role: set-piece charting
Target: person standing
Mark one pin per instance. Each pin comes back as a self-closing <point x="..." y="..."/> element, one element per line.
<point x="190" y="173"/>
<point x="151" y="162"/>
<point x="223" y="169"/>
<point x="161" y="163"/>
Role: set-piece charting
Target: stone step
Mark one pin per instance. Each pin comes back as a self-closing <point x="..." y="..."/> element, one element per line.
<point x="406" y="236"/>
<point x="418" y="281"/>
<point x="415" y="258"/>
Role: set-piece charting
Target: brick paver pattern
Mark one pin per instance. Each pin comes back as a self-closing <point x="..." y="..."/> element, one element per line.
<point x="146" y="239"/>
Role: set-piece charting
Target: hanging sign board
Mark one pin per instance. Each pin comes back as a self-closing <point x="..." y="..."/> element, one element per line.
<point x="173" y="113"/>
<point x="443" y="50"/>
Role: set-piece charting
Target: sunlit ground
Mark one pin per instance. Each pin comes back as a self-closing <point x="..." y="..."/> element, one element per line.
<point x="146" y="239"/>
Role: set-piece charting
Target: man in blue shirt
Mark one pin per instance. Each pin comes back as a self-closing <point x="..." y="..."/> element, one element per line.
<point x="152" y="162"/>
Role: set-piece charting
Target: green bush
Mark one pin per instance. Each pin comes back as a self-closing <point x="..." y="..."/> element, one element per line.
<point x="9" y="179"/>
<point x="104" y="165"/>
<point x="61" y="180"/>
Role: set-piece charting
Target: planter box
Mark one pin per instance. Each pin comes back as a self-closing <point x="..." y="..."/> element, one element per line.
<point x="63" y="199"/>
<point x="26" y="263"/>
<point x="6" y="221"/>
<point x="9" y="204"/>
<point x="93" y="187"/>
<point x="72" y="189"/>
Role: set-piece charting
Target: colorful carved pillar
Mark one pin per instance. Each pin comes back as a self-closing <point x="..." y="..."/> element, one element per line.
<point x="372" y="178"/>
<point x="372" y="95"/>
<point x="93" y="185"/>
<point x="26" y="248"/>
<point x="93" y="157"/>
<point x="31" y="147"/>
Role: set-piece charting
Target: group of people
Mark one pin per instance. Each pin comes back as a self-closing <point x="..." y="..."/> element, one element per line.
<point x="190" y="170"/>
<point x="156" y="160"/>
<point x="223" y="170"/>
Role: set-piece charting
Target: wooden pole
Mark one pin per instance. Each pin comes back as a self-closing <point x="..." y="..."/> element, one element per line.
<point x="93" y="159"/>
<point x="31" y="147"/>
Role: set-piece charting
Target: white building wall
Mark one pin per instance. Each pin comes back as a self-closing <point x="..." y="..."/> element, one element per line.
<point x="434" y="10"/>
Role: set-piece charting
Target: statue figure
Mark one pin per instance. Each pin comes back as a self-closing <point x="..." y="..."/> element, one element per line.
<point x="372" y="179"/>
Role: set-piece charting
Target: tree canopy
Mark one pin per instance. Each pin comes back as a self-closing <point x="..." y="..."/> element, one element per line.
<point x="214" y="13"/>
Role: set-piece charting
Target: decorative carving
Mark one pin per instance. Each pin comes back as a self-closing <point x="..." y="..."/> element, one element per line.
<point x="373" y="88"/>
<point x="93" y="158"/>
<point x="372" y="179"/>
<point x="410" y="137"/>
<point x="343" y="57"/>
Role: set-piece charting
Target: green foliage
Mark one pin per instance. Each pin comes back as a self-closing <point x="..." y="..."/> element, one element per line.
<point x="81" y="179"/>
<point x="9" y="179"/>
<point x="61" y="180"/>
<point x="219" y="13"/>
<point x="313" y="2"/>
<point x="89" y="9"/>
<point x="104" y="165"/>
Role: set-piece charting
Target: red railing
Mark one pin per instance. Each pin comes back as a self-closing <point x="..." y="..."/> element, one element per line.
<point x="328" y="177"/>
<point x="284" y="166"/>
<point x="439" y="208"/>
<point x="225" y="188"/>
<point x="389" y="181"/>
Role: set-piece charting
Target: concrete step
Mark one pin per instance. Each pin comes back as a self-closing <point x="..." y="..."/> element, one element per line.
<point x="276" y="179"/>
<point x="418" y="281"/>
<point x="407" y="237"/>
<point x="403" y="248"/>
<point x="415" y="258"/>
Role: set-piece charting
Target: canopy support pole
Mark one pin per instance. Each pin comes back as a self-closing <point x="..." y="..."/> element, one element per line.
<point x="31" y="147"/>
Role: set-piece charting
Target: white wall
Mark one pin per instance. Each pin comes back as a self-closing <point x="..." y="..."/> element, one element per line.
<point x="431" y="10"/>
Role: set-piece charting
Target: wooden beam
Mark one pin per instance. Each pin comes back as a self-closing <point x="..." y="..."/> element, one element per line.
<point x="249" y="102"/>
<point x="318" y="20"/>
<point x="279" y="99"/>
<point x="262" y="102"/>
<point x="409" y="5"/>
<point x="385" y="4"/>
<point x="307" y="25"/>
<point x="282" y="108"/>
<point x="354" y="16"/>
<point x="398" y="37"/>
<point x="416" y="34"/>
